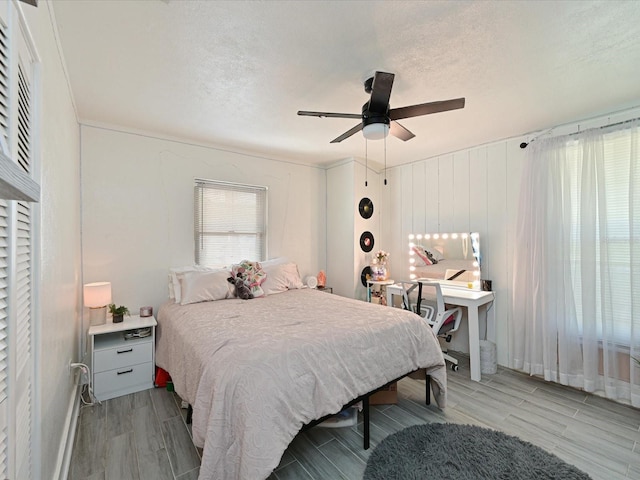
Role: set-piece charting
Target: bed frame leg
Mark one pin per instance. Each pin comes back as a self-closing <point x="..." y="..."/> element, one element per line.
<point x="189" y="414"/>
<point x="365" y="414"/>
<point x="428" y="390"/>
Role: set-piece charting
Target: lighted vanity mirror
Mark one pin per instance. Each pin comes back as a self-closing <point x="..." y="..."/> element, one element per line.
<point x="453" y="258"/>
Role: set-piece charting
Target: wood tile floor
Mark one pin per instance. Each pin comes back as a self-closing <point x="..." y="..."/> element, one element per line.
<point x="144" y="436"/>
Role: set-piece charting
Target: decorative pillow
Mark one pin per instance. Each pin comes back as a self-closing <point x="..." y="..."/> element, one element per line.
<point x="281" y="277"/>
<point x="204" y="286"/>
<point x="252" y="274"/>
<point x="425" y="255"/>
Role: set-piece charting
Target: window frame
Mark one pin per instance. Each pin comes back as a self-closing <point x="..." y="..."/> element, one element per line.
<point x="261" y="192"/>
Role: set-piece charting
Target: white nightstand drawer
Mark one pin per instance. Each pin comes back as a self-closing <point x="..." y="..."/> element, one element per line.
<point x="121" y="379"/>
<point x="123" y="355"/>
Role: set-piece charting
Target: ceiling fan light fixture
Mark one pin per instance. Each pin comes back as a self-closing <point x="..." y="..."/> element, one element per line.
<point x="375" y="131"/>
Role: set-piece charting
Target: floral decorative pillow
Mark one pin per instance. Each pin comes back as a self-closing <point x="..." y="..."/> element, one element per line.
<point x="252" y="274"/>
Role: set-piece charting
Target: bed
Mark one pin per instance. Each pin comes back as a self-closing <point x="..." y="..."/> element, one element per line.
<point x="256" y="371"/>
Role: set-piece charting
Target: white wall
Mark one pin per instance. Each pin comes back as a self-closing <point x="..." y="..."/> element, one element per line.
<point x="467" y="191"/>
<point x="137" y="209"/>
<point x="345" y="258"/>
<point x="58" y="298"/>
<point x="472" y="190"/>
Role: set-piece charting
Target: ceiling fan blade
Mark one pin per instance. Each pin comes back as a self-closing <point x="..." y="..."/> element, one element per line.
<point x="381" y="92"/>
<point x="357" y="116"/>
<point x="348" y="133"/>
<point x="399" y="131"/>
<point x="425" y="109"/>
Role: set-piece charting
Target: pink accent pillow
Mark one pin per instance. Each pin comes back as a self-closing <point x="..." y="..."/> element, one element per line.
<point x="420" y="252"/>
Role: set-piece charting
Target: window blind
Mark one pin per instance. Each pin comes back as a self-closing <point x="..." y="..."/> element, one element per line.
<point x="230" y="222"/>
<point x="614" y="243"/>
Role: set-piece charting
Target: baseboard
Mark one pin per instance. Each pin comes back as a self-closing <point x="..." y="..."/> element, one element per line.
<point x="69" y="435"/>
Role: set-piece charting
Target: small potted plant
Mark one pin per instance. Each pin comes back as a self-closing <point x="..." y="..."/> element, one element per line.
<point x="118" y="312"/>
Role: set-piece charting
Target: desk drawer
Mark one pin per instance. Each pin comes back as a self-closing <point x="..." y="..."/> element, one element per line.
<point x="123" y="379"/>
<point x="122" y="356"/>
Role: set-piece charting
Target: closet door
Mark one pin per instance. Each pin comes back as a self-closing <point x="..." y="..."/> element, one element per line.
<point x="17" y="367"/>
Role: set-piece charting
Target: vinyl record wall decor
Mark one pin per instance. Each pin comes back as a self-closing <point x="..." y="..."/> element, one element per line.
<point x="365" y="275"/>
<point x="365" y="207"/>
<point x="366" y="242"/>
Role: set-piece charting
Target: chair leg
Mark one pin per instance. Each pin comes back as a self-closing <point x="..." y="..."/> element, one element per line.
<point x="452" y="360"/>
<point x="428" y="390"/>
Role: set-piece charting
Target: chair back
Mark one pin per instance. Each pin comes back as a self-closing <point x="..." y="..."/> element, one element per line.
<point x="431" y="306"/>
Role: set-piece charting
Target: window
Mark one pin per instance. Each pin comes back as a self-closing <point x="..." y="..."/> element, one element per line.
<point x="611" y="248"/>
<point x="230" y="222"/>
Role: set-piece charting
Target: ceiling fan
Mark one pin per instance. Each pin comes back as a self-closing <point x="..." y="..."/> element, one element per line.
<point x="377" y="119"/>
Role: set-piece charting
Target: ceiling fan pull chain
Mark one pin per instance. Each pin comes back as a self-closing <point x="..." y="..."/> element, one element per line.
<point x="385" y="160"/>
<point x="366" y="164"/>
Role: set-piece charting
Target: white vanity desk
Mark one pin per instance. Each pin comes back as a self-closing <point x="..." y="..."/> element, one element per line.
<point x="464" y="297"/>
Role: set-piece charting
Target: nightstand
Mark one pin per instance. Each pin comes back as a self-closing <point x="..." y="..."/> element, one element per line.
<point x="122" y="365"/>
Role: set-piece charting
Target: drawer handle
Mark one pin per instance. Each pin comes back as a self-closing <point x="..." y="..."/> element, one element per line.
<point x="125" y="371"/>
<point x="124" y="351"/>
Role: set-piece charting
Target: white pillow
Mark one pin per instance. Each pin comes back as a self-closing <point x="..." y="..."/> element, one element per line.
<point x="437" y="254"/>
<point x="274" y="261"/>
<point x="174" y="284"/>
<point x="280" y="278"/>
<point x="204" y="286"/>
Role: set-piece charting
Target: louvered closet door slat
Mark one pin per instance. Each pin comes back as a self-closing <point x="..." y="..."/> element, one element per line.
<point x="4" y="342"/>
<point x="23" y="431"/>
<point x="4" y="83"/>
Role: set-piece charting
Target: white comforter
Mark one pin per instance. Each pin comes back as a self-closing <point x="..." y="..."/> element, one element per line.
<point x="255" y="371"/>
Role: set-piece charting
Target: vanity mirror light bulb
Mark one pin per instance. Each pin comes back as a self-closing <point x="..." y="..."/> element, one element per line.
<point x="475" y="264"/>
<point x="427" y="236"/>
<point x="412" y="260"/>
<point x="454" y="235"/>
<point x="412" y="268"/>
<point x="436" y="236"/>
<point x="412" y="276"/>
<point x="419" y="237"/>
<point x="411" y="236"/>
<point x="464" y="235"/>
<point x="445" y="236"/>
<point x="411" y="245"/>
<point x="476" y="273"/>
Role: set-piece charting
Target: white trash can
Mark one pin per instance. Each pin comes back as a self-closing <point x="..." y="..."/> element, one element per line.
<point x="488" y="360"/>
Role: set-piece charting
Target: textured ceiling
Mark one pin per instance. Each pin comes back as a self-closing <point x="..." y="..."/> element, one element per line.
<point x="235" y="73"/>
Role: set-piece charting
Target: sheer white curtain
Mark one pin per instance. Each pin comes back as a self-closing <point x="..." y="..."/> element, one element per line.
<point x="576" y="319"/>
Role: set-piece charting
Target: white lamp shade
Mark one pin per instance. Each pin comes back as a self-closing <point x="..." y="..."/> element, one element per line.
<point x="97" y="294"/>
<point x="375" y="131"/>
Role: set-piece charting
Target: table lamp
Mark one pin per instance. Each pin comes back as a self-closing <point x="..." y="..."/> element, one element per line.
<point x="97" y="296"/>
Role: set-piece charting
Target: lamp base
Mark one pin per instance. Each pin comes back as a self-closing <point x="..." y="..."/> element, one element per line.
<point x="98" y="316"/>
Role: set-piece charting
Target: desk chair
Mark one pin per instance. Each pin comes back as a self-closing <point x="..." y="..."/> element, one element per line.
<point x="430" y="305"/>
